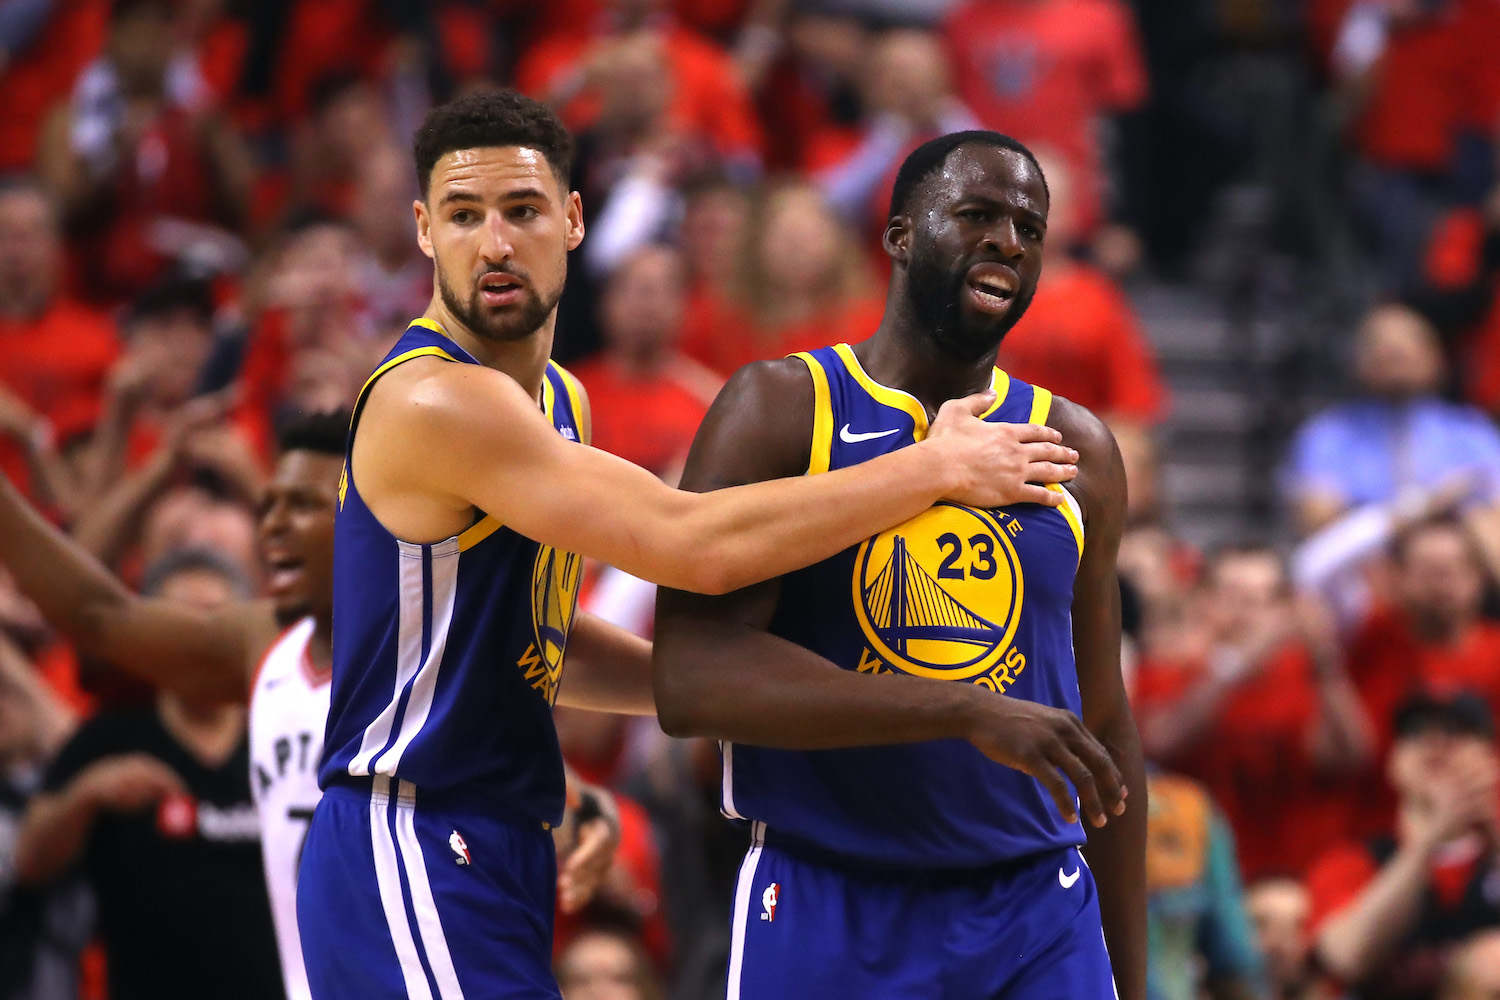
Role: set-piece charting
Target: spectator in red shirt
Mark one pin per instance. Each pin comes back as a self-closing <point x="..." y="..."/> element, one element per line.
<point x="647" y="399"/>
<point x="1080" y="338"/>
<point x="147" y="172"/>
<point x="708" y="100"/>
<point x="1388" y="912"/>
<point x="1432" y="632"/>
<point x="1262" y="714"/>
<point x="38" y="63"/>
<point x="803" y="282"/>
<point x="55" y="354"/>
<point x="1047" y="72"/>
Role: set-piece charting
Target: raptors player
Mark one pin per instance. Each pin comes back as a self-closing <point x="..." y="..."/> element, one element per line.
<point x="277" y="649"/>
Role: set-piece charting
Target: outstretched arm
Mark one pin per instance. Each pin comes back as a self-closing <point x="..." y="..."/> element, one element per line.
<point x="720" y="674"/>
<point x="202" y="653"/>
<point x="480" y="435"/>
<point x="1118" y="851"/>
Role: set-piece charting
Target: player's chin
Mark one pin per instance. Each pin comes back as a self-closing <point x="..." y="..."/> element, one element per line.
<point x="290" y="606"/>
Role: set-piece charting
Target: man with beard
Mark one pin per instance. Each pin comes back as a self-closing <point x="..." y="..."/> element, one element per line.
<point x="466" y="505"/>
<point x="900" y="722"/>
<point x="277" y="651"/>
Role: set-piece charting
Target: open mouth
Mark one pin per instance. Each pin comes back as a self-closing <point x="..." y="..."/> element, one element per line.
<point x="282" y="573"/>
<point x="992" y="287"/>
<point x="500" y="289"/>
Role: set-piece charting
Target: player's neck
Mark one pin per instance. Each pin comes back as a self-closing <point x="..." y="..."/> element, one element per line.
<point x="524" y="360"/>
<point x="903" y="359"/>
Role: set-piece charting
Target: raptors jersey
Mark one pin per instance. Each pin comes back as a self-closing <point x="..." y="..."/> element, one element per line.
<point x="447" y="656"/>
<point x="967" y="596"/>
<point x="288" y="709"/>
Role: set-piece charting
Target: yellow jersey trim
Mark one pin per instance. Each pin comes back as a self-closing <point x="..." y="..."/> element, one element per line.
<point x="418" y="352"/>
<point x="822" y="440"/>
<point x="478" y="532"/>
<point x="902" y="400"/>
<point x="549" y="396"/>
<point x="1041" y="404"/>
<point x="575" y="396"/>
<point x="430" y="324"/>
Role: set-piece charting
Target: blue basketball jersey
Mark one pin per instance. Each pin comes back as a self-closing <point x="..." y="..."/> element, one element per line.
<point x="447" y="656"/>
<point x="968" y="596"/>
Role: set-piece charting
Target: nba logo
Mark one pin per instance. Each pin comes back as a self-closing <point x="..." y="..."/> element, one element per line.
<point x="460" y="848"/>
<point x="768" y="901"/>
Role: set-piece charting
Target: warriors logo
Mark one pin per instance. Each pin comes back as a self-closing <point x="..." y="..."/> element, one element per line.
<point x="940" y="595"/>
<point x="554" y="599"/>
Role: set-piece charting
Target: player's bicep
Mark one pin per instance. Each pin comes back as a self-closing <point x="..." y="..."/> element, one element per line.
<point x="1100" y="488"/>
<point x="759" y="428"/>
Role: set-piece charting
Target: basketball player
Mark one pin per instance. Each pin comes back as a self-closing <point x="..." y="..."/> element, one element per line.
<point x="466" y="506"/>
<point x="276" y="650"/>
<point x="900" y="721"/>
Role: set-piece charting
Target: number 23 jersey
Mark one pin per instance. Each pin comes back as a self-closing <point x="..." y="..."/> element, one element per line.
<point x="957" y="594"/>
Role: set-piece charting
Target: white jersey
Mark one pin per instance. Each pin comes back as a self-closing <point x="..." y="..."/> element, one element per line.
<point x="288" y="710"/>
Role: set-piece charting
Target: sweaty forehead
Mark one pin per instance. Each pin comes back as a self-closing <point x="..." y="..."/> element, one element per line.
<point x="493" y="170"/>
<point x="988" y="171"/>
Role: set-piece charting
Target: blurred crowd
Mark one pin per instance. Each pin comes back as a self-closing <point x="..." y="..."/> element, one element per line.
<point x="206" y="230"/>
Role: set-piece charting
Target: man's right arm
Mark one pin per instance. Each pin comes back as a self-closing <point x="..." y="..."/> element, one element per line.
<point x="483" y="444"/>
<point x="198" y="653"/>
<point x="720" y="674"/>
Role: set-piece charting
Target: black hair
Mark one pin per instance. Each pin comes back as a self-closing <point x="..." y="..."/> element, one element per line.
<point x="172" y="295"/>
<point x="323" y="433"/>
<point x="928" y="158"/>
<point x="491" y="118"/>
<point x="195" y="561"/>
<point x="121" y="9"/>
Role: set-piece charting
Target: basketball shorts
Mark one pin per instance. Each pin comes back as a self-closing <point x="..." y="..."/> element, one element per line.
<point x="809" y="930"/>
<point x="398" y="898"/>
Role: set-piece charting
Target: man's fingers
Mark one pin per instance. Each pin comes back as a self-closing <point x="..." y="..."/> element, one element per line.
<point x="1083" y="782"/>
<point x="1029" y="433"/>
<point x="1039" y="495"/>
<point x="1106" y="777"/>
<point x="587" y="865"/>
<point x="1047" y="451"/>
<point x="978" y="402"/>
<point x="1050" y="472"/>
<point x="1045" y="771"/>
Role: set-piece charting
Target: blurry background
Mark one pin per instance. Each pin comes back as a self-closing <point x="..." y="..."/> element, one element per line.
<point x="1271" y="266"/>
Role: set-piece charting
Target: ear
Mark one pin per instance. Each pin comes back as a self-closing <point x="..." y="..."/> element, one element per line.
<point x="424" y="222"/>
<point x="575" y="220"/>
<point x="897" y="238"/>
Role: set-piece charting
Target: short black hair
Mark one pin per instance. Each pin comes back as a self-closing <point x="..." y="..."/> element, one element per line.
<point x="171" y="295"/>
<point x="928" y="158"/>
<point x="491" y="118"/>
<point x="324" y="433"/>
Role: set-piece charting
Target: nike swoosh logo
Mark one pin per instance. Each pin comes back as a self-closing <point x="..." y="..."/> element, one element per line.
<point x="1068" y="880"/>
<point x="849" y="438"/>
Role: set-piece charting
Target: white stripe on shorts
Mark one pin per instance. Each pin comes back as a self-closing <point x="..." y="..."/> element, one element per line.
<point x="743" y="890"/>
<point x="425" y="907"/>
<point x="388" y="877"/>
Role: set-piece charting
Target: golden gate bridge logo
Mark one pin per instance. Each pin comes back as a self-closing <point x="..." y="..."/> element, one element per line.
<point x="940" y="595"/>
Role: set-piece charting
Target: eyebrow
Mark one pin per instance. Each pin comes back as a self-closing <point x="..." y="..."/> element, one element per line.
<point x="520" y="194"/>
<point x="992" y="202"/>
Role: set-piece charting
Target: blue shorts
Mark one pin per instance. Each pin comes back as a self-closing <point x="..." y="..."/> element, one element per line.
<point x="401" y="899"/>
<point x="809" y="930"/>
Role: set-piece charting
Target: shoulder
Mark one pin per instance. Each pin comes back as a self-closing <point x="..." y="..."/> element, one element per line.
<point x="759" y="427"/>
<point x="1100" y="486"/>
<point x="432" y="394"/>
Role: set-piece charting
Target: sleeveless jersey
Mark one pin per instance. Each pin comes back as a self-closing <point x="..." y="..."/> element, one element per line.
<point x="288" y="709"/>
<point x="447" y="656"/>
<point x="967" y="596"/>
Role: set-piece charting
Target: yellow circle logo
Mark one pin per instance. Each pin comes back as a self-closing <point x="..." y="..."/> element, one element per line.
<point x="940" y="595"/>
<point x="554" y="600"/>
